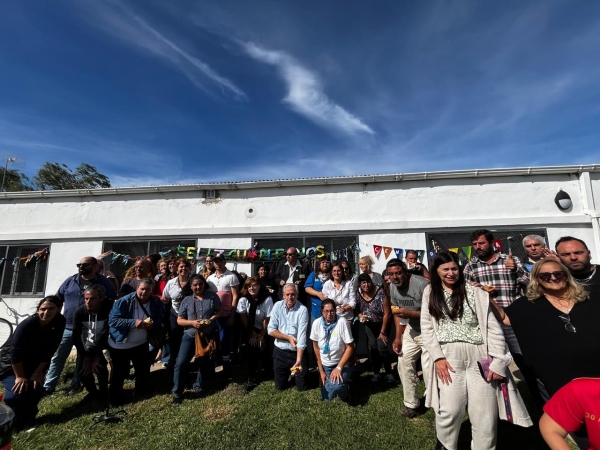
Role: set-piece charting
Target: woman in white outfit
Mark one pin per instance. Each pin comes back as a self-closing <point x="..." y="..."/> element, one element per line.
<point x="459" y="329"/>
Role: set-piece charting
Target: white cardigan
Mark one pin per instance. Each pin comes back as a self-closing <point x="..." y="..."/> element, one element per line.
<point x="493" y="339"/>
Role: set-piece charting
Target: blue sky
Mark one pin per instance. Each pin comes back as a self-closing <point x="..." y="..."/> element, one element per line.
<point x="155" y="92"/>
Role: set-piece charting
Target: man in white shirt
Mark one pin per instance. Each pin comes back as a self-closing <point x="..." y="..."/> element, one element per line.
<point x="226" y="284"/>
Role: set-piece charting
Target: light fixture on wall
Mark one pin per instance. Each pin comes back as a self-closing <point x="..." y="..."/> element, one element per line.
<point x="563" y="200"/>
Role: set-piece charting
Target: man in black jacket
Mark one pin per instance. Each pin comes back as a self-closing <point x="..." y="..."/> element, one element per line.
<point x="292" y="272"/>
<point x="90" y="334"/>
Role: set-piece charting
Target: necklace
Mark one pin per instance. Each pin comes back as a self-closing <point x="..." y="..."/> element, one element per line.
<point x="585" y="280"/>
<point x="559" y="300"/>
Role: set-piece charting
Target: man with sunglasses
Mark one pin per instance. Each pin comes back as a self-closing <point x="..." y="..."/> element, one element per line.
<point x="71" y="292"/>
<point x="291" y="271"/>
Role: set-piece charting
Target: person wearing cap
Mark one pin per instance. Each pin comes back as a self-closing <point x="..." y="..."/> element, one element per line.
<point x="226" y="285"/>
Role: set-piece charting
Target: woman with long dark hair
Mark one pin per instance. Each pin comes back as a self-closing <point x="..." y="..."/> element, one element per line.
<point x="459" y="329"/>
<point x="254" y="308"/>
<point x="25" y="357"/>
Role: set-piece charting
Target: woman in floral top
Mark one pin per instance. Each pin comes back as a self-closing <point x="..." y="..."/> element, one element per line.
<point x="374" y="311"/>
<point x="459" y="329"/>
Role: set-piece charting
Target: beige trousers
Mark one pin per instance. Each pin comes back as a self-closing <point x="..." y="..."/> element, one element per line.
<point x="412" y="350"/>
<point x="469" y="391"/>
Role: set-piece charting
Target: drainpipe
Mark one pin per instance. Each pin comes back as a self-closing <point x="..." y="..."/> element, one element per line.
<point x="589" y="209"/>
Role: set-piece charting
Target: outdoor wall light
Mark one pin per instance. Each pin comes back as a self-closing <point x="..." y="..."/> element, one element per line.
<point x="563" y="200"/>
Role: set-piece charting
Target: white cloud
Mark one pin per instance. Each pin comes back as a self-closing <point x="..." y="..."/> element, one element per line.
<point x="305" y="92"/>
<point x="123" y="23"/>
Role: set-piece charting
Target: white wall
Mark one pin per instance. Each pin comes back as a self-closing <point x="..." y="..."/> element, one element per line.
<point x="63" y="259"/>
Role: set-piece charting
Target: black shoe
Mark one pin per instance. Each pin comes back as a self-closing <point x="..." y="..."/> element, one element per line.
<point x="200" y="390"/>
<point x="76" y="389"/>
<point x="177" y="400"/>
<point x="439" y="446"/>
<point x="49" y="392"/>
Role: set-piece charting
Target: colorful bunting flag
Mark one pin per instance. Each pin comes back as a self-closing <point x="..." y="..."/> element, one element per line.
<point x="467" y="251"/>
<point x="399" y="252"/>
<point x="377" y="250"/>
<point x="453" y="250"/>
<point x="497" y="244"/>
<point x="420" y="254"/>
<point x="387" y="251"/>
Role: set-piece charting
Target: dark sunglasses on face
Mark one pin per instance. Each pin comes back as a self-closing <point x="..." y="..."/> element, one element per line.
<point x="547" y="276"/>
<point x="84" y="265"/>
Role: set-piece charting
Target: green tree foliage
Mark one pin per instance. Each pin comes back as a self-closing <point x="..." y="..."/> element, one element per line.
<point x="55" y="176"/>
<point x="15" y="181"/>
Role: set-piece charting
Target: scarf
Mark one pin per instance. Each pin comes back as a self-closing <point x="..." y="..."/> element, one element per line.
<point x="323" y="277"/>
<point x="328" y="329"/>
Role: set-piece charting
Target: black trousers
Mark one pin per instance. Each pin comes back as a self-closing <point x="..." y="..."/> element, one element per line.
<point x="88" y="380"/>
<point x="283" y="360"/>
<point x="378" y="351"/>
<point x="139" y="357"/>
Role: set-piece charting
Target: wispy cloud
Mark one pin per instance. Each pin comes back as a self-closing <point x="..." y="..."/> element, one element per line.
<point x="305" y="92"/>
<point x="121" y="22"/>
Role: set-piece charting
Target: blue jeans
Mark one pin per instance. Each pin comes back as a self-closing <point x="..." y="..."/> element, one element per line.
<point x="331" y="390"/>
<point x="25" y="405"/>
<point x="205" y="372"/>
<point x="225" y="338"/>
<point x="57" y="364"/>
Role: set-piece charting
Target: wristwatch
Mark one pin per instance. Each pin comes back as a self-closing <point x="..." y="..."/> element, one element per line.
<point x="338" y="368"/>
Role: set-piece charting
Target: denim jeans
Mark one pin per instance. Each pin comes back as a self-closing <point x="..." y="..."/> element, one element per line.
<point x="25" y="405"/>
<point x="57" y="364"/>
<point x="225" y="338"/>
<point x="331" y="390"/>
<point x="205" y="372"/>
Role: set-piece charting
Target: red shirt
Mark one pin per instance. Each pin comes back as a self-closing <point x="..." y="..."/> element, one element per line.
<point x="577" y="403"/>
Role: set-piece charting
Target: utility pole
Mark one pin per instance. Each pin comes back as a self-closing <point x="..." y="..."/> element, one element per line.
<point x="6" y="161"/>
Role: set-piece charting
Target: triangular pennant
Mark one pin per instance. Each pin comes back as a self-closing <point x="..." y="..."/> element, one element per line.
<point x="399" y="252"/>
<point x="467" y="251"/>
<point x="387" y="251"/>
<point x="453" y="250"/>
<point x="497" y="244"/>
<point x="377" y="250"/>
<point x="420" y="254"/>
<point x="432" y="254"/>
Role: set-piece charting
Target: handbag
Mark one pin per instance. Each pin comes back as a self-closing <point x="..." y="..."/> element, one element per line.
<point x="157" y="336"/>
<point x="205" y="345"/>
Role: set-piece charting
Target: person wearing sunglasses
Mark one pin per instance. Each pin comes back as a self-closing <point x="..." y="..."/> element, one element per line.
<point x="556" y="325"/>
<point x="71" y="294"/>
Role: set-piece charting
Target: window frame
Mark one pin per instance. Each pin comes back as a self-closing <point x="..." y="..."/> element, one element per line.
<point x="38" y="270"/>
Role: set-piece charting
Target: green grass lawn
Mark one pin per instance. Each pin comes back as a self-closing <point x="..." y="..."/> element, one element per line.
<point x="231" y="418"/>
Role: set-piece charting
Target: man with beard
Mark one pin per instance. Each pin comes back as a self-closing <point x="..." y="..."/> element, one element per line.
<point x="575" y="254"/>
<point x="504" y="277"/>
<point x="71" y="293"/>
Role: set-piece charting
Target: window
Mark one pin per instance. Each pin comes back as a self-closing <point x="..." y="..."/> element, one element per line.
<point x="463" y="239"/>
<point x="24" y="277"/>
<point x="138" y="248"/>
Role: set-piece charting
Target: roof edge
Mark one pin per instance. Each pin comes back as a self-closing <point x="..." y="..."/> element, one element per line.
<point x="320" y="181"/>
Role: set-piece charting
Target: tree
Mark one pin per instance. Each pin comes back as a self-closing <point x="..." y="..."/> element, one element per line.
<point x="15" y="181"/>
<point x="56" y="176"/>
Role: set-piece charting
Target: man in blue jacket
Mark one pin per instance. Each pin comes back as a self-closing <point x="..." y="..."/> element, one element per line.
<point x="71" y="293"/>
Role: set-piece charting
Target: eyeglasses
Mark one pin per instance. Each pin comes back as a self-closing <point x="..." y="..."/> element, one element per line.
<point x="568" y="325"/>
<point x="547" y="276"/>
<point x="84" y="265"/>
<point x="329" y="311"/>
<point x="208" y="261"/>
<point x="346" y="269"/>
<point x="289" y="254"/>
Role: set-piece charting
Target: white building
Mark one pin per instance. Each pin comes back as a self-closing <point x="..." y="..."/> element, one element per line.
<point x="404" y="211"/>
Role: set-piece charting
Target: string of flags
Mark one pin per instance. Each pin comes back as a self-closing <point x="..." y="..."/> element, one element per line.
<point x="29" y="259"/>
<point x="398" y="252"/>
<point x="255" y="254"/>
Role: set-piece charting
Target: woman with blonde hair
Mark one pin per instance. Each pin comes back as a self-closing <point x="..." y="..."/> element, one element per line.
<point x="366" y="264"/>
<point x="556" y="325"/>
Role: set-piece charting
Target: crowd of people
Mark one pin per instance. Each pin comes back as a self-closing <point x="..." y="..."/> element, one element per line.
<point x="462" y="325"/>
